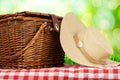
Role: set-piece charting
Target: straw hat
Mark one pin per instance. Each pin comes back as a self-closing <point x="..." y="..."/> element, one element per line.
<point x="85" y="46"/>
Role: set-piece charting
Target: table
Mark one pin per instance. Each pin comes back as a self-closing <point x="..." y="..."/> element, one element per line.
<point x="71" y="72"/>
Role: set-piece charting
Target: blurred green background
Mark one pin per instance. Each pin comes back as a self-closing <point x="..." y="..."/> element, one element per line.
<point x="104" y="15"/>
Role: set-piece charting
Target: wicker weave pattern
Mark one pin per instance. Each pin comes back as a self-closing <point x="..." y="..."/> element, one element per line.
<point x="16" y="32"/>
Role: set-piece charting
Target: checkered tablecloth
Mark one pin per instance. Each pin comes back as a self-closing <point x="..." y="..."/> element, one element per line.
<point x="74" y="72"/>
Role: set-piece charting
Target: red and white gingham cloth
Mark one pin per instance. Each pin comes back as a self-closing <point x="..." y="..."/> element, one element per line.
<point x="73" y="72"/>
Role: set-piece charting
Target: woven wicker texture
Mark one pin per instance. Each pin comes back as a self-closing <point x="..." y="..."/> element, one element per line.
<point x="29" y="40"/>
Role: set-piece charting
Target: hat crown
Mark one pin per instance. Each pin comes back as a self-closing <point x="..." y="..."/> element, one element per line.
<point x="94" y="45"/>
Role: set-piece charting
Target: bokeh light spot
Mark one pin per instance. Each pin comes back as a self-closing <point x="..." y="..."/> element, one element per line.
<point x="104" y="20"/>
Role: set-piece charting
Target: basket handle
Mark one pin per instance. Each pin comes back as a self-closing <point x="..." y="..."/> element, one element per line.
<point x="19" y="53"/>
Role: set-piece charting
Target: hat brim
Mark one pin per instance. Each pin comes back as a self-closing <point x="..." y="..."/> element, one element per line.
<point x="69" y="27"/>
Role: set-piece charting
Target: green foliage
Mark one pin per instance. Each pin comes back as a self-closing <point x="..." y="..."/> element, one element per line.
<point x="68" y="60"/>
<point x="115" y="58"/>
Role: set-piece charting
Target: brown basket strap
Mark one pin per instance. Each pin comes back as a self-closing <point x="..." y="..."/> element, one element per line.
<point x="19" y="53"/>
<point x="55" y="23"/>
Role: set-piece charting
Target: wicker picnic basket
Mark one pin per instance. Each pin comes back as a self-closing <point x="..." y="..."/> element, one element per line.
<point x="30" y="40"/>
